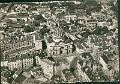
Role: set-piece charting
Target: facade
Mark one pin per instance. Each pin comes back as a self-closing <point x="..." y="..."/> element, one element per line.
<point x="43" y="9"/>
<point x="22" y="62"/>
<point x="27" y="61"/>
<point x="47" y="66"/>
<point x="4" y="63"/>
<point x="15" y="64"/>
<point x="58" y="32"/>
<point x="60" y="49"/>
<point x="68" y="17"/>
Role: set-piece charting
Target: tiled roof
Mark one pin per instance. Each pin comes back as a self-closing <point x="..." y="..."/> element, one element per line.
<point x="26" y="56"/>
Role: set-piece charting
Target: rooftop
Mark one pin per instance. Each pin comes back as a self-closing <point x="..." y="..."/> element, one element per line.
<point x="47" y="61"/>
<point x="20" y="79"/>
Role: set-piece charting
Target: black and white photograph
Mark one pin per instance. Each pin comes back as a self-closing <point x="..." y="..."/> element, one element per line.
<point x="52" y="42"/>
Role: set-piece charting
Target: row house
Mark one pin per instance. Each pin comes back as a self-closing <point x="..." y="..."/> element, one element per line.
<point x="13" y="63"/>
<point x="23" y="62"/>
<point x="60" y="49"/>
<point x="57" y="69"/>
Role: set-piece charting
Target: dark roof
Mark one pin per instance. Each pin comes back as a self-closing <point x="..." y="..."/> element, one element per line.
<point x="20" y="78"/>
<point x="12" y="59"/>
<point x="25" y="56"/>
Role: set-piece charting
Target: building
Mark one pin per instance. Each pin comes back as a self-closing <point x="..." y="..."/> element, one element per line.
<point x="60" y="10"/>
<point x="80" y="12"/>
<point x="43" y="9"/>
<point x="46" y="65"/>
<point x="57" y="32"/>
<point x="4" y="63"/>
<point x="27" y="61"/>
<point x="101" y="24"/>
<point x="22" y="16"/>
<point x="3" y="59"/>
<point x="70" y="17"/>
<point x="13" y="63"/>
<point x="21" y="78"/>
<point x="37" y="41"/>
<point x="37" y="60"/>
<point x="4" y="80"/>
<point x="91" y="23"/>
<point x="61" y="48"/>
<point x="23" y="61"/>
<point x="82" y="20"/>
<point x="57" y="69"/>
<point x="15" y="45"/>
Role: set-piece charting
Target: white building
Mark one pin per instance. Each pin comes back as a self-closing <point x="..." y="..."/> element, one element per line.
<point x="15" y="64"/>
<point x="46" y="65"/>
<point x="27" y="63"/>
<point x="68" y="17"/>
<point x="4" y="63"/>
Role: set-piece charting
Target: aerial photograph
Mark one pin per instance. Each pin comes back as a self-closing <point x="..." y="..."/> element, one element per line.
<point x="53" y="42"/>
